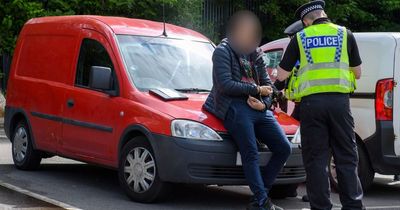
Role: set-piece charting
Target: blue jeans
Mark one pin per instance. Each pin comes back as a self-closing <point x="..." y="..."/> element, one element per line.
<point x="246" y="125"/>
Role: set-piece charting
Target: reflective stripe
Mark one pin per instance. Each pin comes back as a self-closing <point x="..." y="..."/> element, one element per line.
<point x="289" y="91"/>
<point x="338" y="53"/>
<point x="306" y="50"/>
<point x="322" y="82"/>
<point x="319" y="66"/>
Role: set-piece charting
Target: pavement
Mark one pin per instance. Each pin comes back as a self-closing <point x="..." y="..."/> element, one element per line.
<point x="74" y="185"/>
<point x="10" y="199"/>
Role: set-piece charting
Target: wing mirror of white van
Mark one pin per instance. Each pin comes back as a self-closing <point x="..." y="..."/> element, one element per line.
<point x="101" y="78"/>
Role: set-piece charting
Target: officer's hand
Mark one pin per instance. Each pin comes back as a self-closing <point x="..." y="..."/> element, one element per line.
<point x="255" y="103"/>
<point x="266" y="90"/>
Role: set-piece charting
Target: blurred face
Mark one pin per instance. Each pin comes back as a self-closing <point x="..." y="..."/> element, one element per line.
<point x="246" y="34"/>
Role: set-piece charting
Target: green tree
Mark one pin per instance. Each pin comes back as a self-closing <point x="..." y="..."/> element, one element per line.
<point x="13" y="15"/>
<point x="357" y="15"/>
<point x="275" y="15"/>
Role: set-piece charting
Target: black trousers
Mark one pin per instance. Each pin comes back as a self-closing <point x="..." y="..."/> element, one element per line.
<point x="327" y="126"/>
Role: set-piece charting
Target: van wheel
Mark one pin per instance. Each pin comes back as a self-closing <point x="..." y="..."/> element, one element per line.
<point x="138" y="173"/>
<point x="366" y="173"/>
<point x="24" y="156"/>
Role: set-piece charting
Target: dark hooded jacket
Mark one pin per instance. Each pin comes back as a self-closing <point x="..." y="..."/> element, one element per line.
<point x="227" y="83"/>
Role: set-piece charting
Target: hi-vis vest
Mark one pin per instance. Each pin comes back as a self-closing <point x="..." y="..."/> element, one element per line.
<point x="289" y="91"/>
<point x="324" y="62"/>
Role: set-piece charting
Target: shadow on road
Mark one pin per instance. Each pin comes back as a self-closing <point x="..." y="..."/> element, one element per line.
<point x="181" y="194"/>
<point x="91" y="187"/>
<point x="102" y="181"/>
<point x="385" y="191"/>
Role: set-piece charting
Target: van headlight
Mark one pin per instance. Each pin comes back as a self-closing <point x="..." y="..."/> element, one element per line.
<point x="297" y="137"/>
<point x="193" y="130"/>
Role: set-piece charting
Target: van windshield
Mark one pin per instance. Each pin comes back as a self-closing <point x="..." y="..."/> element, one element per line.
<point x="158" y="62"/>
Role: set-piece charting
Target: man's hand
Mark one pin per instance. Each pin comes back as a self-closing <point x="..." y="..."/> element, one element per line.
<point x="266" y="90"/>
<point x="255" y="103"/>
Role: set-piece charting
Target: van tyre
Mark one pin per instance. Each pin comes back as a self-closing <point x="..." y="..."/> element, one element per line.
<point x="25" y="157"/>
<point x="366" y="173"/>
<point x="138" y="174"/>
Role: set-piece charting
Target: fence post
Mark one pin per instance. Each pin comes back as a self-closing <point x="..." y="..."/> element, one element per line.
<point x="5" y="67"/>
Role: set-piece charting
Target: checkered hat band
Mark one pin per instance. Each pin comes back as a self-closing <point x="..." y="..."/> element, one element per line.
<point x="310" y="9"/>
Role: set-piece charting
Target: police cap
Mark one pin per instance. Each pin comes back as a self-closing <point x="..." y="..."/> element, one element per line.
<point x="304" y="9"/>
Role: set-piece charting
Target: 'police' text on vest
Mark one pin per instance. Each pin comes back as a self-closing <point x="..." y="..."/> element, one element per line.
<point x="322" y="41"/>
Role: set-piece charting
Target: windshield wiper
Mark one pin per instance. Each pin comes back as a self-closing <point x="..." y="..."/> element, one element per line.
<point x="197" y="90"/>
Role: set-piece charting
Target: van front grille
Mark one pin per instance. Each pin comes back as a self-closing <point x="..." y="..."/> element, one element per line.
<point x="236" y="172"/>
<point x="226" y="136"/>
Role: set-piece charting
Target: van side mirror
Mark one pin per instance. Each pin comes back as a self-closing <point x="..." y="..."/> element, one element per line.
<point x="101" y="78"/>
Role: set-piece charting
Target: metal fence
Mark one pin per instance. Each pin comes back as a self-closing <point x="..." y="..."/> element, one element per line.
<point x="5" y="62"/>
<point x="216" y="13"/>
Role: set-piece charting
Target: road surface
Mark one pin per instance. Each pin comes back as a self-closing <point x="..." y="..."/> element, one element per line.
<point x="81" y="186"/>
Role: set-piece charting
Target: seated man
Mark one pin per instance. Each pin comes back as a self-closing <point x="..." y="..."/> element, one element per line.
<point x="241" y="98"/>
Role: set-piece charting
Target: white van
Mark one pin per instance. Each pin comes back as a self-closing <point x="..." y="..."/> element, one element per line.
<point x="375" y="104"/>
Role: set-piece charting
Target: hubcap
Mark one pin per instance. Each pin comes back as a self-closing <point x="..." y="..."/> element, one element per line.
<point x="20" y="144"/>
<point x="140" y="169"/>
<point x="332" y="168"/>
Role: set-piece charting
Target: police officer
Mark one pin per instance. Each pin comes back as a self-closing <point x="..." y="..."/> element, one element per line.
<point x="291" y="32"/>
<point x="329" y="65"/>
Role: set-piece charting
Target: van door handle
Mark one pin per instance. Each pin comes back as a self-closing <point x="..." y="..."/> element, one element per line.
<point x="70" y="103"/>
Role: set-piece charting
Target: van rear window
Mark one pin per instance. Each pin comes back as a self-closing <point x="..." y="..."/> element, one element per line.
<point x="47" y="57"/>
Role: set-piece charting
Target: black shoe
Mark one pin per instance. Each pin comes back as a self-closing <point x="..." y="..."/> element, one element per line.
<point x="305" y="198"/>
<point x="268" y="205"/>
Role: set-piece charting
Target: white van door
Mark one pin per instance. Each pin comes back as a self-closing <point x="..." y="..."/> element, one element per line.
<point x="396" y="107"/>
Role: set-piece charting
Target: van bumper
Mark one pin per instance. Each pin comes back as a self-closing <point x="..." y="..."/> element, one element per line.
<point x="380" y="148"/>
<point x="206" y="162"/>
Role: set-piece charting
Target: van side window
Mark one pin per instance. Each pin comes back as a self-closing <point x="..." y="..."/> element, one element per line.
<point x="92" y="53"/>
<point x="273" y="58"/>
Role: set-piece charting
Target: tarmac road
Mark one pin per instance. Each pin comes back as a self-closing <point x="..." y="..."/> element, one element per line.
<point x="77" y="185"/>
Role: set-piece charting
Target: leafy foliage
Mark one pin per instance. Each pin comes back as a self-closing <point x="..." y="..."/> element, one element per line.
<point x="358" y="15"/>
<point x="12" y="17"/>
<point x="14" y="13"/>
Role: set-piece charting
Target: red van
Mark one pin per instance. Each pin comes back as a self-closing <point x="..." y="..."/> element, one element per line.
<point x="117" y="92"/>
